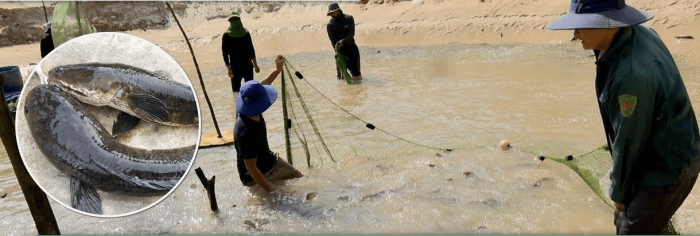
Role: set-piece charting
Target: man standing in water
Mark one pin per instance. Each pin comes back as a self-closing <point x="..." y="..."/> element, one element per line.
<point x="256" y="163"/>
<point x="341" y="32"/>
<point x="647" y="115"/>
<point x="239" y="53"/>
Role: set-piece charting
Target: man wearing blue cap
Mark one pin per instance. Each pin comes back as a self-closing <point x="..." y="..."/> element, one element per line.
<point x="256" y="163"/>
<point x="648" y="119"/>
<point x="341" y="32"/>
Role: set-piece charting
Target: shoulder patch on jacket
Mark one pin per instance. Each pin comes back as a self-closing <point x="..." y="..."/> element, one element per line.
<point x="627" y="104"/>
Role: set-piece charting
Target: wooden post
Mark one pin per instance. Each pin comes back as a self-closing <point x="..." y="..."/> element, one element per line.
<point x="37" y="201"/>
<point x="209" y="186"/>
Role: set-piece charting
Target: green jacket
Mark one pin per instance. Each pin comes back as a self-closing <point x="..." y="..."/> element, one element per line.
<point x="649" y="121"/>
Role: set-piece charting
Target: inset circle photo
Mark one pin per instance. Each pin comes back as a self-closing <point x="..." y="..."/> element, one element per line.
<point x="108" y="124"/>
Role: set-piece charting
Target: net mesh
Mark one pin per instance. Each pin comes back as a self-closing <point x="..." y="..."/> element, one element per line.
<point x="594" y="168"/>
<point x="318" y="130"/>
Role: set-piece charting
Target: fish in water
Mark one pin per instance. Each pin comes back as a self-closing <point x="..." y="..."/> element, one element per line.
<point x="137" y="92"/>
<point x="77" y="144"/>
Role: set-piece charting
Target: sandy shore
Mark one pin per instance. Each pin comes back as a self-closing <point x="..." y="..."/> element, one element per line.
<point x="294" y="27"/>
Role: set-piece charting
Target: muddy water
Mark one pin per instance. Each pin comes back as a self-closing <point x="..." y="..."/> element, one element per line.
<point x="539" y="97"/>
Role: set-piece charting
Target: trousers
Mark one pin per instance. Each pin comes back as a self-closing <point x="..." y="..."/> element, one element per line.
<point x="651" y="208"/>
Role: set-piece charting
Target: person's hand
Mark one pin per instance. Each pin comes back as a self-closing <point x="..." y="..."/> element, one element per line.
<point x="257" y="69"/>
<point x="340" y="43"/>
<point x="619" y="206"/>
<point x="230" y="72"/>
<point x="279" y="62"/>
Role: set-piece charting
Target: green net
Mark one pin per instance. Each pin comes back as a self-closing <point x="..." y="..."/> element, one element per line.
<point x="594" y="168"/>
<point x="342" y="62"/>
<point x="318" y="130"/>
<point x="69" y="21"/>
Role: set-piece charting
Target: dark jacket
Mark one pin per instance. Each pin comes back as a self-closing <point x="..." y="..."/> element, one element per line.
<point x="341" y="29"/>
<point x="238" y="52"/>
<point x="648" y="118"/>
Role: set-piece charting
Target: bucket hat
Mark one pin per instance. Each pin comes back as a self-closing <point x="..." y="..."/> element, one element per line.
<point x="254" y="98"/>
<point x="234" y="14"/>
<point x="600" y="14"/>
<point x="333" y="7"/>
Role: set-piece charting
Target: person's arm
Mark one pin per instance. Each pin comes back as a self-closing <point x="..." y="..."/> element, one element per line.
<point x="350" y="38"/>
<point x="256" y="174"/>
<point x="255" y="64"/>
<point x="331" y="35"/>
<point x="252" y="53"/>
<point x="279" y="62"/>
<point x="224" y="51"/>
<point x="631" y="112"/>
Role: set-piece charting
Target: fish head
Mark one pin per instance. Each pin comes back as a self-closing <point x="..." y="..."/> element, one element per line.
<point x="87" y="83"/>
<point x="41" y="101"/>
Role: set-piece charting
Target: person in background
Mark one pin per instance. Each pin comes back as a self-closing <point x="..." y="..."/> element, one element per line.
<point x="256" y="163"/>
<point x="46" y="44"/>
<point x="341" y="32"/>
<point x="648" y="119"/>
<point x="238" y="51"/>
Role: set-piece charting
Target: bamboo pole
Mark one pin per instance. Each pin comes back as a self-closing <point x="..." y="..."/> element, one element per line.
<point x="37" y="201"/>
<point x="204" y="90"/>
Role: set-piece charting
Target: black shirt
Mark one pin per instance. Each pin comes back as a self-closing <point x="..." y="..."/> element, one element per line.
<point x="341" y="29"/>
<point x="250" y="141"/>
<point x="238" y="52"/>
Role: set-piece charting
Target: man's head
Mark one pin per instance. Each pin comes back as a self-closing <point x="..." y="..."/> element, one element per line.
<point x="595" y="22"/>
<point x="254" y="98"/>
<point x="334" y="10"/>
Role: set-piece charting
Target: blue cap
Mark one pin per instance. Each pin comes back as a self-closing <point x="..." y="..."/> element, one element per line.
<point x="600" y="14"/>
<point x="254" y="98"/>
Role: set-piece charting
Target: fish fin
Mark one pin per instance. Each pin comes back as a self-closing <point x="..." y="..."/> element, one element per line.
<point x="84" y="197"/>
<point x="124" y="122"/>
<point x="155" y="185"/>
<point x="150" y="107"/>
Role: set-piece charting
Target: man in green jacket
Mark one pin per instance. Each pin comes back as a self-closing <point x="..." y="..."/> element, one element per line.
<point x="647" y="115"/>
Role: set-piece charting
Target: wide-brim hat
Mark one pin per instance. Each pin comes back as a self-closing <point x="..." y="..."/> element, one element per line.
<point x="233" y="15"/>
<point x="333" y="7"/>
<point x="254" y="98"/>
<point x="597" y="14"/>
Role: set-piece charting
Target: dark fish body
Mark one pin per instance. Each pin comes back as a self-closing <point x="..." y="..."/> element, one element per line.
<point x="141" y="93"/>
<point x="77" y="144"/>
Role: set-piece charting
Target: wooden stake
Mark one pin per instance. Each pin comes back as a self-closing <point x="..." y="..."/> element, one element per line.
<point x="209" y="186"/>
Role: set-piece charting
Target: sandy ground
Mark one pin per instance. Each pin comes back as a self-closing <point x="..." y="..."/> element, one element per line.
<point x="295" y="27"/>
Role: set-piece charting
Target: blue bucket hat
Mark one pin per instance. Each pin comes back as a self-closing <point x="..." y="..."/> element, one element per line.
<point x="600" y="14"/>
<point x="254" y="98"/>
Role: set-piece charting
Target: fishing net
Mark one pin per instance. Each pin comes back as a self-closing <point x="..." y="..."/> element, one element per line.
<point x="69" y="21"/>
<point x="318" y="131"/>
<point x="341" y="61"/>
<point x="594" y="168"/>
